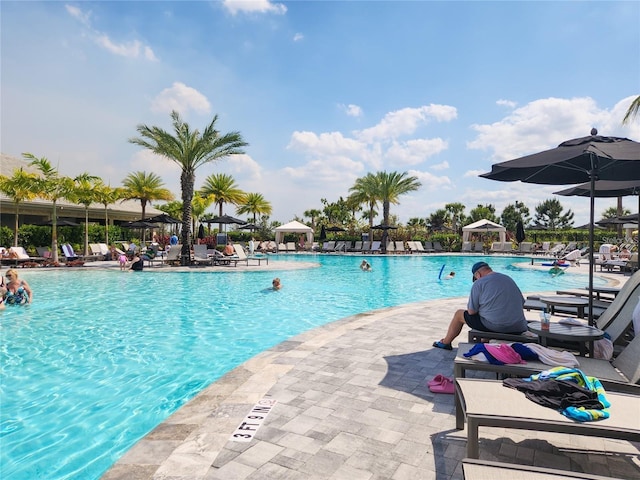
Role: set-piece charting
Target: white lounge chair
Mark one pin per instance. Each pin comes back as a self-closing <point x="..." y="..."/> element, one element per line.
<point x="243" y="257"/>
<point x="201" y="255"/>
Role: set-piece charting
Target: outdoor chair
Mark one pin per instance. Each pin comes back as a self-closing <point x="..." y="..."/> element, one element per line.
<point x="478" y="247"/>
<point x="200" y="255"/>
<point x="622" y="374"/>
<point x="467" y="247"/>
<point x="243" y="257"/>
<point x="357" y="247"/>
<point x="487" y="403"/>
<point x="19" y="256"/>
<point x="375" y="246"/>
<point x="437" y="247"/>
<point x="475" y="469"/>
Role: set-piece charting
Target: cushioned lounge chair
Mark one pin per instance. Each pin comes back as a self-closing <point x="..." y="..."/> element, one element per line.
<point x="201" y="256"/>
<point x="437" y="247"/>
<point x="474" y="469"/>
<point x="621" y="375"/>
<point x="19" y="256"/>
<point x="375" y="246"/>
<point x="467" y="247"/>
<point x="487" y="403"/>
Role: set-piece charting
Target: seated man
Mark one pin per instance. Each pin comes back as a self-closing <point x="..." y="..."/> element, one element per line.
<point x="229" y="250"/>
<point x="495" y="305"/>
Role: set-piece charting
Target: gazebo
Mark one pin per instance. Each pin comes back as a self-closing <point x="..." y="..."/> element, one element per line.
<point x="483" y="227"/>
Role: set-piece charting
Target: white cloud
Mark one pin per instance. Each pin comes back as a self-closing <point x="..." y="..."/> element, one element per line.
<point x="132" y="49"/>
<point x="298" y="37"/>
<point x="507" y="103"/>
<point x="351" y="110"/>
<point x="254" y="6"/>
<point x="544" y="124"/>
<point x="78" y="14"/>
<point x="180" y="98"/>
<point x="406" y="121"/>
<point x="414" y="152"/>
<point x="473" y="173"/>
<point x="440" y="166"/>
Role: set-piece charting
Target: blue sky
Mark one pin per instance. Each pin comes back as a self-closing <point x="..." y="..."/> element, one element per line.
<point x="323" y="92"/>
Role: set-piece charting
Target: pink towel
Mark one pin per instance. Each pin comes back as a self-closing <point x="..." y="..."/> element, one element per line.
<point x="504" y="352"/>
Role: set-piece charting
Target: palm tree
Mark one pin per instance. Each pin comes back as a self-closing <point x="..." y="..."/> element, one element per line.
<point x="313" y="214"/>
<point x="51" y="187"/>
<point x="367" y="190"/>
<point x="223" y="189"/>
<point x="633" y="110"/>
<point x="84" y="193"/>
<point x="255" y="204"/>
<point x="190" y="150"/>
<point x="391" y="186"/>
<point x="145" y="187"/>
<point x="20" y="187"/>
<point x="107" y="195"/>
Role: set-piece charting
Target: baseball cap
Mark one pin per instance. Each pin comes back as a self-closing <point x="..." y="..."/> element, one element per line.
<point x="477" y="266"/>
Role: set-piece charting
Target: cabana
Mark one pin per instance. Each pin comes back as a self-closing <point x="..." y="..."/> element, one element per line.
<point x="293" y="227"/>
<point x="483" y="227"/>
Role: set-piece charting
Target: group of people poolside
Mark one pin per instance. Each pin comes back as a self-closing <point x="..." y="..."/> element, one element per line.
<point x="14" y="291"/>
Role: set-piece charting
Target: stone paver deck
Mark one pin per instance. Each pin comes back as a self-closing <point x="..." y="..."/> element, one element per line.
<point x="351" y="403"/>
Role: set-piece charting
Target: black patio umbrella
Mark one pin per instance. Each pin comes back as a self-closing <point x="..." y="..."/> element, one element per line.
<point x="201" y="231"/>
<point x="608" y="189"/>
<point x="520" y="236"/>
<point x="61" y="222"/>
<point x="225" y="220"/>
<point x="335" y="229"/>
<point x="323" y="233"/>
<point x="163" y="218"/>
<point x="249" y="226"/>
<point x="139" y="224"/>
<point x="576" y="161"/>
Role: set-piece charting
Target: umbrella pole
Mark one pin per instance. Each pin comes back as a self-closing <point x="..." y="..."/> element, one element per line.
<point x="592" y="175"/>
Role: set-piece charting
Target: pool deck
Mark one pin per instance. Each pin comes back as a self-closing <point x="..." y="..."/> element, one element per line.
<point x="351" y="403"/>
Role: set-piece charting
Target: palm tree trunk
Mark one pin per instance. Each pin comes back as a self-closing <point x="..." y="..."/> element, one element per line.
<point x="86" y="230"/>
<point x="15" y="230"/>
<point x="187" y="181"/>
<point x="54" y="234"/>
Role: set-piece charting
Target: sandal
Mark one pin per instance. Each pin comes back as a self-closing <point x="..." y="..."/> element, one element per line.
<point x="437" y="380"/>
<point x="446" y="386"/>
<point x="444" y="346"/>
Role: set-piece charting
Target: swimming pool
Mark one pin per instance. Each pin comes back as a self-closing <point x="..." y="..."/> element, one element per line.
<point x="102" y="357"/>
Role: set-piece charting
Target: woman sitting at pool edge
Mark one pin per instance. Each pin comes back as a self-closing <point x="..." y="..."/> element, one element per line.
<point x="18" y="291"/>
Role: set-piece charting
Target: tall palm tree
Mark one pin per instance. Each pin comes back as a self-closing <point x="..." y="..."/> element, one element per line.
<point x="107" y="195"/>
<point x="367" y="190"/>
<point x="223" y="189"/>
<point x="145" y="187"/>
<point x="84" y="193"/>
<point x="254" y="204"/>
<point x="633" y="110"/>
<point x="313" y="213"/>
<point x="52" y="187"/>
<point x="391" y="186"/>
<point x="19" y="187"/>
<point x="190" y="150"/>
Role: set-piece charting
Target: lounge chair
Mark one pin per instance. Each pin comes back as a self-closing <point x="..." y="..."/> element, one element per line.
<point x="291" y="246"/>
<point x="487" y="403"/>
<point x="375" y="246"/>
<point x="496" y="247"/>
<point x="243" y="257"/>
<point x="474" y="469"/>
<point x="329" y="246"/>
<point x="556" y="250"/>
<point x="437" y="247"/>
<point x="340" y="247"/>
<point x="94" y="248"/>
<point x="467" y="247"/>
<point x="201" y="256"/>
<point x="400" y="247"/>
<point x="525" y="247"/>
<point x="573" y="257"/>
<point x="19" y="256"/>
<point x="357" y="247"/>
<point x="71" y="258"/>
<point x="620" y="375"/>
<point x="171" y="257"/>
<point x="391" y="247"/>
<point x="478" y="247"/>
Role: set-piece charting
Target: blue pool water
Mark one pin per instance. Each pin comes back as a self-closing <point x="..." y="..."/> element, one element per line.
<point x="102" y="357"/>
